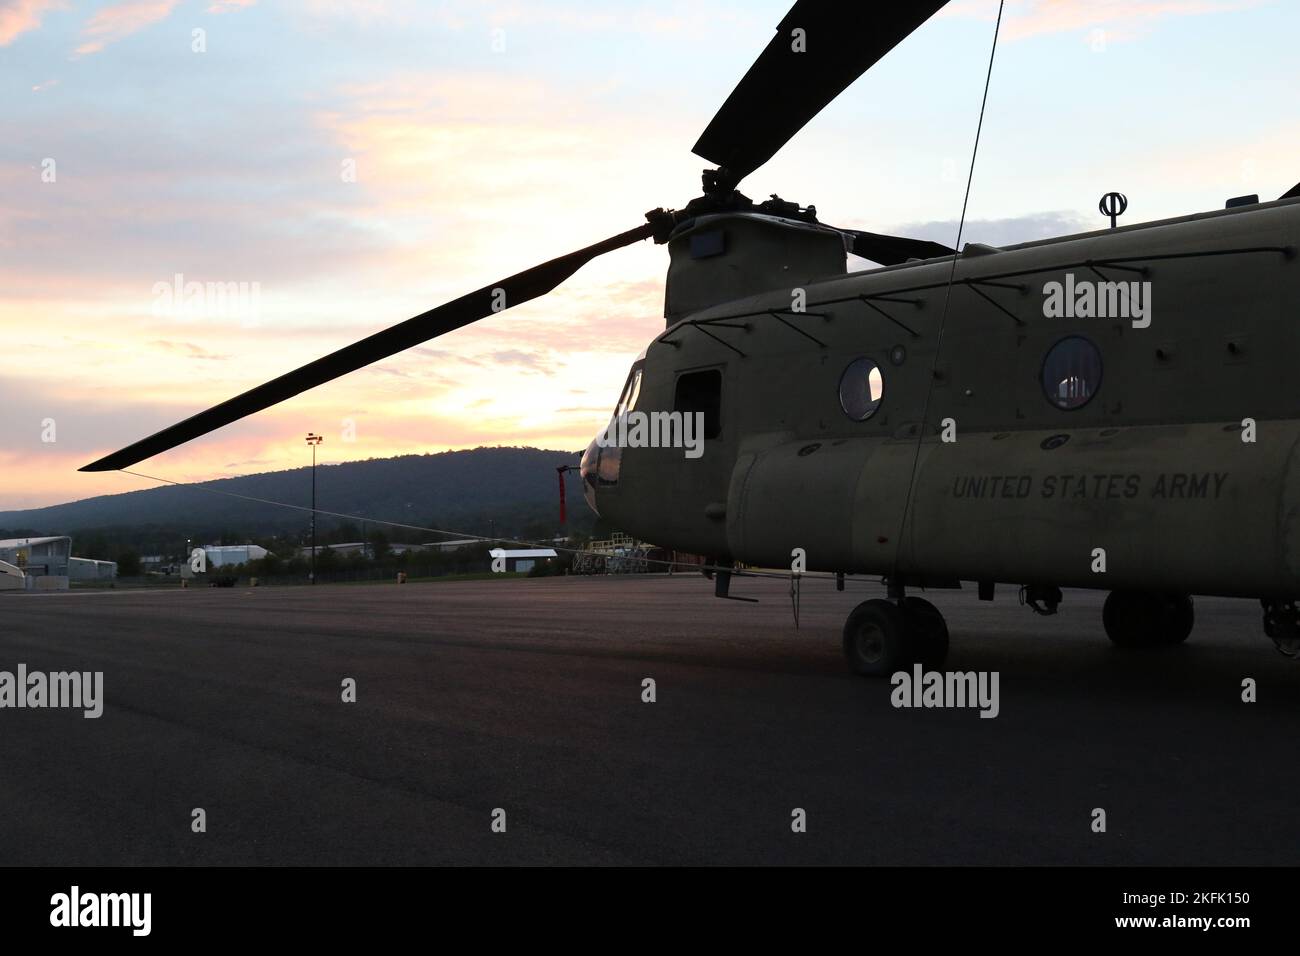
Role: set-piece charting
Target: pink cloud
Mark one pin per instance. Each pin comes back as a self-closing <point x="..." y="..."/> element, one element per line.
<point x="1120" y="19"/>
<point x="120" y="20"/>
<point x="20" y="16"/>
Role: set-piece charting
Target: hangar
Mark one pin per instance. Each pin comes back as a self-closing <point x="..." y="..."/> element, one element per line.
<point x="43" y="561"/>
<point x="47" y="564"/>
<point x="11" y="578"/>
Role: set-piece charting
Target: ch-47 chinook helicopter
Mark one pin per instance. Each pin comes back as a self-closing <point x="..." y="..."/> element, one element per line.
<point x="993" y="415"/>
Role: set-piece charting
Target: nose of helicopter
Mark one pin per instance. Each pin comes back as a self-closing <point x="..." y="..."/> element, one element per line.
<point x="587" y="469"/>
<point x="600" y="467"/>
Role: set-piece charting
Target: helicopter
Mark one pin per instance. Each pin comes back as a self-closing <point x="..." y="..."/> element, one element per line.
<point x="1089" y="411"/>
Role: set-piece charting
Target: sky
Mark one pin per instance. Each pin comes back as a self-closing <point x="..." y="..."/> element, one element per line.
<point x="332" y="167"/>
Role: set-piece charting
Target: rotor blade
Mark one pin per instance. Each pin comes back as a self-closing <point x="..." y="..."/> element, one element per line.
<point x="505" y="294"/>
<point x="891" y="250"/>
<point x="787" y="86"/>
<point x="1292" y="193"/>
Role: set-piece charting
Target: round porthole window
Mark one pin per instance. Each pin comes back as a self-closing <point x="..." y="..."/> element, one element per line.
<point x="861" y="388"/>
<point x="1072" y="373"/>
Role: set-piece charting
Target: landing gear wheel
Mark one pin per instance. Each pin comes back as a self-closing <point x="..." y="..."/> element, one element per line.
<point x="1180" y="618"/>
<point x="929" y="632"/>
<point x="1282" y="624"/>
<point x="1147" y="618"/>
<point x="880" y="637"/>
<point x="875" y="638"/>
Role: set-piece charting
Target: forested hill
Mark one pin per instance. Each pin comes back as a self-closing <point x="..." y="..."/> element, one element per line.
<point x="455" y="489"/>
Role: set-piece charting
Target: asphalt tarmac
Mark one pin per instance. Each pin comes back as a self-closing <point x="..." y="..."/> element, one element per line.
<point x="525" y="695"/>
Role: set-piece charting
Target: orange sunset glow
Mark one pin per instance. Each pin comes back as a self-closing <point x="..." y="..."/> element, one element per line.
<point x="349" y="165"/>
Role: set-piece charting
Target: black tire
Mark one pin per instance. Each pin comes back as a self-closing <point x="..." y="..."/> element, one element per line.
<point x="875" y="638"/>
<point x="1147" y="619"/>
<point x="1129" y="619"/>
<point x="1180" y="618"/>
<point x="928" y="632"/>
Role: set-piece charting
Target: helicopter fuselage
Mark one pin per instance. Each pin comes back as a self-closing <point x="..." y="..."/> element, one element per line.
<point x="1139" y="433"/>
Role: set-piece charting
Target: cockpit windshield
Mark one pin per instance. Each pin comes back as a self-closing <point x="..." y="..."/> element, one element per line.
<point x="631" y="391"/>
<point x="603" y="460"/>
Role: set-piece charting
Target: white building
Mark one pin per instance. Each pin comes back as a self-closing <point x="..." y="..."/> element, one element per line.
<point x="223" y="554"/>
<point x="453" y="545"/>
<point x="11" y="578"/>
<point x="522" y="559"/>
<point x="47" y="564"/>
<point x="346" y="547"/>
<point x="88" y="569"/>
<point x="38" y="556"/>
<point x="399" y="547"/>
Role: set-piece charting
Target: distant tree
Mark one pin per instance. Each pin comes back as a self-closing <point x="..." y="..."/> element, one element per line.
<point x="379" y="546"/>
<point x="128" y="564"/>
<point x="539" y="531"/>
<point x="601" y="529"/>
<point x="93" y="546"/>
<point x="545" y="568"/>
<point x="267" y="566"/>
<point x="508" y="490"/>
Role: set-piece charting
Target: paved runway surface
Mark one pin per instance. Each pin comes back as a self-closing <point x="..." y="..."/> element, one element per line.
<point x="525" y="695"/>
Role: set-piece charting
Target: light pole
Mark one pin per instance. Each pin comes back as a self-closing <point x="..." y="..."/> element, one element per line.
<point x="313" y="439"/>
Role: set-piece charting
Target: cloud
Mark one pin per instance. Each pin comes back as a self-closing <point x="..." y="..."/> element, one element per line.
<point x="364" y="12"/>
<point x="230" y="6"/>
<point x="533" y="361"/>
<point x="469" y="167"/>
<point x="134" y="206"/>
<point x="681" y="18"/>
<point x="991" y="232"/>
<point x="1002" y="232"/>
<point x="119" y="21"/>
<point x="190" y="350"/>
<point x="84" y="420"/>
<point x="585" y="410"/>
<point x="19" y="16"/>
<point x="1120" y="20"/>
<point x="442" y="355"/>
<point x="646" y="18"/>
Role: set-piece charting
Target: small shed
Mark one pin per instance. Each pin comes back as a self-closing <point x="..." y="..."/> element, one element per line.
<point x="522" y="559"/>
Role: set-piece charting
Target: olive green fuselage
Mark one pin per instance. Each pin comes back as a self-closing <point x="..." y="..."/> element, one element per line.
<point x="1148" y="484"/>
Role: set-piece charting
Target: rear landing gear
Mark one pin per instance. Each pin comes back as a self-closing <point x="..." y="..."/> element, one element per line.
<point x="1147" y="618"/>
<point x="881" y="637"/>
<point x="1282" y="624"/>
